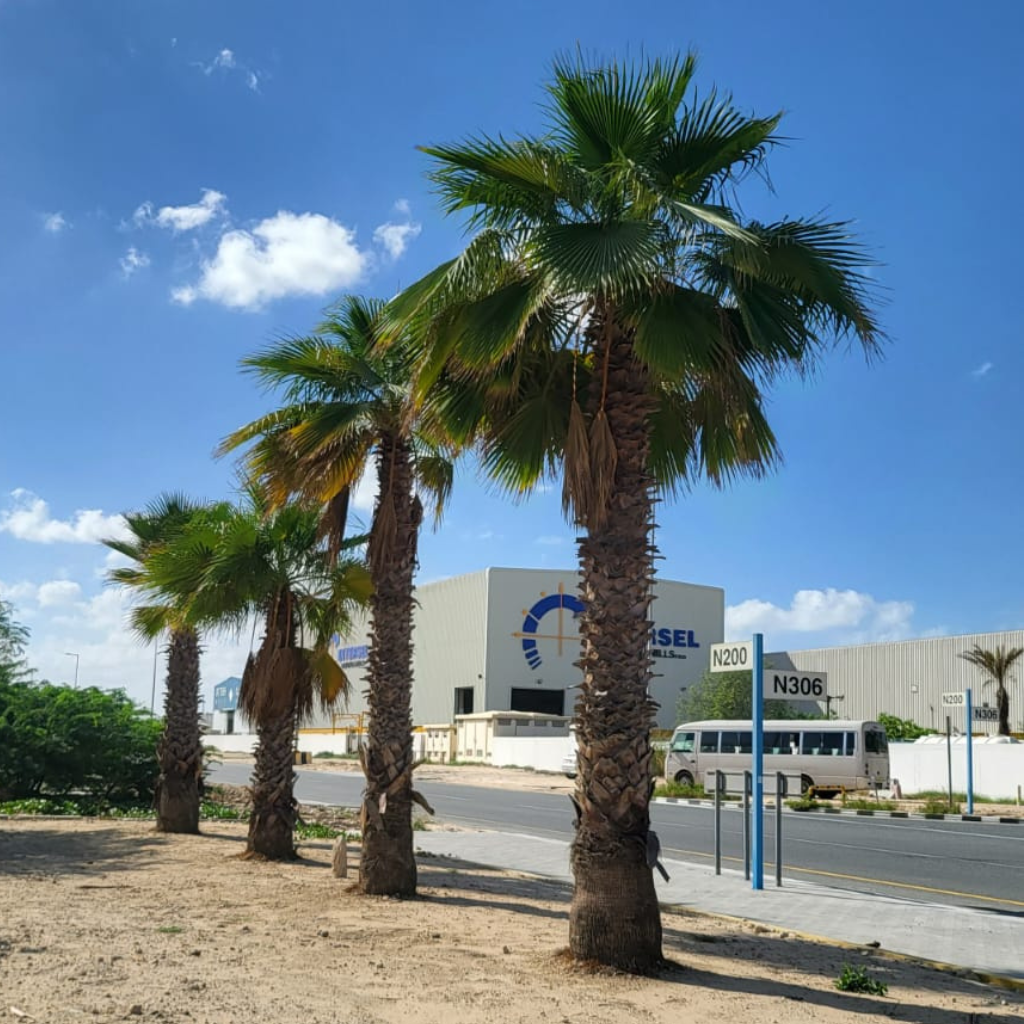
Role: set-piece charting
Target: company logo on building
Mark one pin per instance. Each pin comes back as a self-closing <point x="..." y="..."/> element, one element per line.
<point x="356" y="655"/>
<point x="531" y="632"/>
<point x="665" y="642"/>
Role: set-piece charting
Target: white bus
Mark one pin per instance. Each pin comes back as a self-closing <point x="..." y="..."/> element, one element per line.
<point x="827" y="754"/>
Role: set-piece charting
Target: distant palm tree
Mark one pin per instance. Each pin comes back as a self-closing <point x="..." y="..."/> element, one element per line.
<point x="612" y="268"/>
<point x="180" y="750"/>
<point x="997" y="665"/>
<point x="269" y="564"/>
<point x="349" y="401"/>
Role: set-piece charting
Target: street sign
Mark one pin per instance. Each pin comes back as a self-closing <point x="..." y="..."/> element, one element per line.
<point x="956" y="699"/>
<point x="732" y="657"/>
<point x="986" y="714"/>
<point x="792" y="684"/>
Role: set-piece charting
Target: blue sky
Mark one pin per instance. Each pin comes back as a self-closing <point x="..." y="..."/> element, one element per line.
<point x="181" y="182"/>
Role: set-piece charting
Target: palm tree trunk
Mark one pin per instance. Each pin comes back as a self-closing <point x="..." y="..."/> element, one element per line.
<point x="1003" y="707"/>
<point x="387" y="865"/>
<point x="180" y="751"/>
<point x="270" y="684"/>
<point x="614" y="918"/>
<point x="274" y="810"/>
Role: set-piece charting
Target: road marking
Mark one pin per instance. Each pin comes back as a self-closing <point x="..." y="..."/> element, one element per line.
<point x="861" y="878"/>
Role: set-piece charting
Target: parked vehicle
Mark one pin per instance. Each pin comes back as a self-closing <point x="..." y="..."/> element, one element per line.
<point x="826" y="754"/>
<point x="569" y="765"/>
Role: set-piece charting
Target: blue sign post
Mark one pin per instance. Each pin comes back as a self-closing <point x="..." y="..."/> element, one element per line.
<point x="757" y="872"/>
<point x="970" y="754"/>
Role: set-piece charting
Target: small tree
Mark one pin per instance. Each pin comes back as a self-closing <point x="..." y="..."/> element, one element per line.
<point x="13" y="639"/>
<point x="997" y="665"/>
<point x="728" y="695"/>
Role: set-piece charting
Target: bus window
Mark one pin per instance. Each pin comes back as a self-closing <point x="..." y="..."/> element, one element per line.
<point x="851" y="744"/>
<point x="811" y="743"/>
<point x="737" y="742"/>
<point x="832" y="743"/>
<point x="773" y="743"/>
<point x="682" y="743"/>
<point x="709" y="742"/>
<point x="875" y="741"/>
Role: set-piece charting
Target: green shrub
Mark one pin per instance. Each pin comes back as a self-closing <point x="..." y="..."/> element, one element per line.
<point x="679" y="790"/>
<point x="658" y="762"/>
<point x="56" y="741"/>
<point x="857" y="979"/>
<point x="902" y="729"/>
<point x="868" y="805"/>
<point x="314" y="830"/>
<point x="804" y="803"/>
<point x="939" y="807"/>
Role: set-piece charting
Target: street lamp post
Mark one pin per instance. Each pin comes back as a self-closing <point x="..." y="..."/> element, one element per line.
<point x="71" y="654"/>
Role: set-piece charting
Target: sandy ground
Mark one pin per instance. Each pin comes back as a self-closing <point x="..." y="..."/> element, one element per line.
<point x="109" y="921"/>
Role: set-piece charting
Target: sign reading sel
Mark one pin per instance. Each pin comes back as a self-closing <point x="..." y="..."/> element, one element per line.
<point x="794" y="685"/>
<point x="732" y="657"/>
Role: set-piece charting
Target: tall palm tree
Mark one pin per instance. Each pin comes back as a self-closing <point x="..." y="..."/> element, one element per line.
<point x="996" y="664"/>
<point x="349" y="402"/>
<point x="609" y="256"/>
<point x="180" y="750"/>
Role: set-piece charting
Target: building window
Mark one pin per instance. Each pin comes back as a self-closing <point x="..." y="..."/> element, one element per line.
<point x="543" y="702"/>
<point x="463" y="700"/>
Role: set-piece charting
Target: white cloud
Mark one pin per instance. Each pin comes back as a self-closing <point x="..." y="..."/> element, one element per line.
<point x="58" y="592"/>
<point x="252" y="81"/>
<point x="17" y="592"/>
<point x="395" y="238"/>
<point x="365" y="495"/>
<point x="402" y="206"/>
<point x="287" y="254"/>
<point x="30" y="520"/>
<point x="839" y="615"/>
<point x="54" y="222"/>
<point x="182" y="218"/>
<point x="980" y="371"/>
<point x="224" y="59"/>
<point x="133" y="260"/>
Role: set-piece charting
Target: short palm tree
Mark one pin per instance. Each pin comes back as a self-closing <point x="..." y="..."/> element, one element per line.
<point x="350" y="401"/>
<point x="611" y="266"/>
<point x="255" y="562"/>
<point x="180" y="750"/>
<point x="996" y="665"/>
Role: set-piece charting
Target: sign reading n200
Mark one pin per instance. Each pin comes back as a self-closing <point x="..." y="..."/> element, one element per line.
<point x="732" y="657"/>
<point x="794" y="685"/>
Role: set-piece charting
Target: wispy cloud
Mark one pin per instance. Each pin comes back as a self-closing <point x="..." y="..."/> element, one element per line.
<point x="980" y="371"/>
<point x="395" y="238"/>
<point x="227" y="62"/>
<point x="182" y="218"/>
<point x="132" y="261"/>
<point x="54" y="222"/>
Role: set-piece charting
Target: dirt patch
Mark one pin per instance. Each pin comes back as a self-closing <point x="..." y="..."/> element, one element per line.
<point x="109" y="921"/>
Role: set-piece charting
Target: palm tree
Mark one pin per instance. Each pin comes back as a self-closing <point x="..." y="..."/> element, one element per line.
<point x="350" y="401"/>
<point x="180" y="750"/>
<point x="996" y="664"/>
<point x="632" y="318"/>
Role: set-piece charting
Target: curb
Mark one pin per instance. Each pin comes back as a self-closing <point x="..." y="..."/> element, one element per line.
<point x="976" y="818"/>
<point x="970" y="973"/>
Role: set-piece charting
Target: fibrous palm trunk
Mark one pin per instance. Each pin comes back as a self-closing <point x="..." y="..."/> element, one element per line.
<point x="180" y="751"/>
<point x="1003" y="707"/>
<point x="387" y="865"/>
<point x="269" y="690"/>
<point x="614" y="918"/>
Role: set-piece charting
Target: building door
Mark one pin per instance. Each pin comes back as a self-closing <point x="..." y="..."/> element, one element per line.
<point x="463" y="700"/>
<point x="543" y="702"/>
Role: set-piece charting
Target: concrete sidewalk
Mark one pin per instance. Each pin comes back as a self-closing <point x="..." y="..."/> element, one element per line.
<point x="989" y="942"/>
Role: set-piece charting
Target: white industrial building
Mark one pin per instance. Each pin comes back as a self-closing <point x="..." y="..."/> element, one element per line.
<point x="506" y="640"/>
<point x="907" y="678"/>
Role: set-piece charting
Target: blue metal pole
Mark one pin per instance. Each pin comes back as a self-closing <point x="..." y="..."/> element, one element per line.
<point x="970" y="754"/>
<point x="757" y="874"/>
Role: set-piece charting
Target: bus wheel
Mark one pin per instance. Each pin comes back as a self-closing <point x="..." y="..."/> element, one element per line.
<point x="806" y="782"/>
<point x="684" y="778"/>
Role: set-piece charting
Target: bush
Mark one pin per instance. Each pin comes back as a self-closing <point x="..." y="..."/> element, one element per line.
<point x="857" y="979"/>
<point x="658" y="762"/>
<point x="902" y="729"/>
<point x="56" y="741"/>
<point x="804" y="803"/>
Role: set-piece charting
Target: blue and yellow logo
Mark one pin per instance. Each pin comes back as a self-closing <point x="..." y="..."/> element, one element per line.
<point x="560" y="602"/>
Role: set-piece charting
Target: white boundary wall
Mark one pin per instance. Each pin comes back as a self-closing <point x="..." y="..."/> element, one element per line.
<point x="998" y="767"/>
<point x="544" y="753"/>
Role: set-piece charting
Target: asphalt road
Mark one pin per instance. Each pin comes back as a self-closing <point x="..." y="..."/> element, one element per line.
<point x="960" y="863"/>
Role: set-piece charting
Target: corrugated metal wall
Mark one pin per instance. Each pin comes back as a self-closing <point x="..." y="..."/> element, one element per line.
<point x="907" y="678"/>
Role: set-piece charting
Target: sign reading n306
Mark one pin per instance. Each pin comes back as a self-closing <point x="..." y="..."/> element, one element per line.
<point x="791" y="684"/>
<point x="732" y="657"/>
